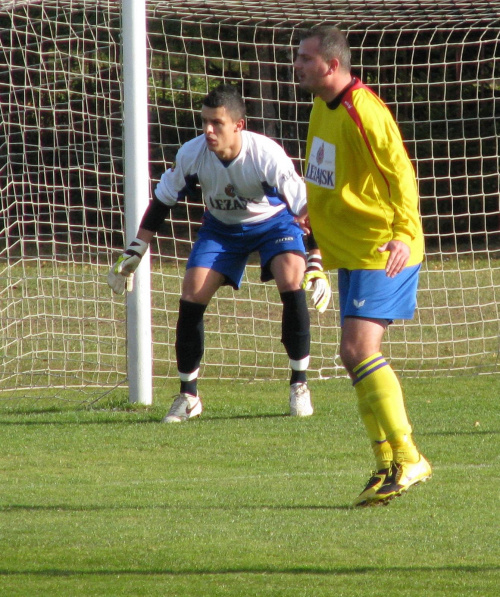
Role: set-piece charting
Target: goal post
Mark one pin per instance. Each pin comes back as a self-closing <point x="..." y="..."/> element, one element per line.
<point x="136" y="163"/>
<point x="72" y="191"/>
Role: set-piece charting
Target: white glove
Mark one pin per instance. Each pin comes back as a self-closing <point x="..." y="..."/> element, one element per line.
<point x="121" y="273"/>
<point x="316" y="280"/>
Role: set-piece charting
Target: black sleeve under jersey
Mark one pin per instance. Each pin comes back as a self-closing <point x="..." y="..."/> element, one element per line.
<point x="155" y="215"/>
<point x="311" y="242"/>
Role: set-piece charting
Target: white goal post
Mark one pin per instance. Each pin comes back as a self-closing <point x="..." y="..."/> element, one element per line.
<point x="136" y="163"/>
<point x="65" y="167"/>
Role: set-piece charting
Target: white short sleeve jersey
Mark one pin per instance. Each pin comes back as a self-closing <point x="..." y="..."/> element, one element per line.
<point x="260" y="182"/>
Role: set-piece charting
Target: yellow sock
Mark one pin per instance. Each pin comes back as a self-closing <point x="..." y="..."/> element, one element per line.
<point x="381" y="447"/>
<point x="379" y="387"/>
<point x="383" y="454"/>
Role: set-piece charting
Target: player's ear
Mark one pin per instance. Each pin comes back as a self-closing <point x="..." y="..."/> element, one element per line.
<point x="334" y="65"/>
<point x="239" y="125"/>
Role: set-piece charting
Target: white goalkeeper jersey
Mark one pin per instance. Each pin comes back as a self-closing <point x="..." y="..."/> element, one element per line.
<point x="256" y="185"/>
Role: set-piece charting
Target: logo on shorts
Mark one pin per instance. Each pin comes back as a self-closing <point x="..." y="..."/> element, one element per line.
<point x="358" y="304"/>
<point x="283" y="240"/>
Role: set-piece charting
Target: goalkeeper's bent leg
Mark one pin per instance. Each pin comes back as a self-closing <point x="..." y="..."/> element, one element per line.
<point x="295" y="333"/>
<point x="189" y="344"/>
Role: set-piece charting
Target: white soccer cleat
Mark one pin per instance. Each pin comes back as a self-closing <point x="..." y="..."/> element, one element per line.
<point x="300" y="400"/>
<point x="184" y="407"/>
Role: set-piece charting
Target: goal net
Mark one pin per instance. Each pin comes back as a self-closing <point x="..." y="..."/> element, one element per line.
<point x="436" y="65"/>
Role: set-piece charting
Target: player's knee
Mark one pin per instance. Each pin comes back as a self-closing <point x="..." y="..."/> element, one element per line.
<point x="288" y="271"/>
<point x="350" y="355"/>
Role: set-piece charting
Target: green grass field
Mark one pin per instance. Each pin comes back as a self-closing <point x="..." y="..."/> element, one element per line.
<point x="247" y="501"/>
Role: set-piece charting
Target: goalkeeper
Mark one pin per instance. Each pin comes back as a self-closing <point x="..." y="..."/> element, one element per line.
<point x="254" y="201"/>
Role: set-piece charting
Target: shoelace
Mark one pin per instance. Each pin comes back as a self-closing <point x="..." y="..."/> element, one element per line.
<point x="177" y="404"/>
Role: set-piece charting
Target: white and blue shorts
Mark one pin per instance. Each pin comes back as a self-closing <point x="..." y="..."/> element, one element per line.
<point x="371" y="294"/>
<point x="226" y="248"/>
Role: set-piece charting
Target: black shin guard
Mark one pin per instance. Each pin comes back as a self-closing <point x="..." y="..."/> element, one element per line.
<point x="295" y="328"/>
<point x="189" y="343"/>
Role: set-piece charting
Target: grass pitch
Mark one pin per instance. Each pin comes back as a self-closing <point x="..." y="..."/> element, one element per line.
<point x="247" y="501"/>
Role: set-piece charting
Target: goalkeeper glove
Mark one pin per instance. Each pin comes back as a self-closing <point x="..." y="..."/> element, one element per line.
<point x="122" y="272"/>
<point x="316" y="280"/>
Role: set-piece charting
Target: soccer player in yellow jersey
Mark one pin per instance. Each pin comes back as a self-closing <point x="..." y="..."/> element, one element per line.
<point x="363" y="208"/>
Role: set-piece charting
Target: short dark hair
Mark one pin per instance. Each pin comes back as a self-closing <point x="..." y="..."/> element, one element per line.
<point x="332" y="44"/>
<point x="226" y="96"/>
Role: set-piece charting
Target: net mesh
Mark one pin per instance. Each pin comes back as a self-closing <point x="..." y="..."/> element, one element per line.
<point x="436" y="65"/>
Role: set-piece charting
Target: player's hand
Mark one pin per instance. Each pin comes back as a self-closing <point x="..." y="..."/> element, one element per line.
<point x="316" y="280"/>
<point x="399" y="253"/>
<point x="121" y="274"/>
<point x="303" y="221"/>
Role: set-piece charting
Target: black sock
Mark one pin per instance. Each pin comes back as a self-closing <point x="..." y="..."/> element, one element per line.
<point x="298" y="377"/>
<point x="190" y="387"/>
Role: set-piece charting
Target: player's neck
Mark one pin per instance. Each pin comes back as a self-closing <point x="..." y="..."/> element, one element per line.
<point x="335" y="89"/>
<point x="229" y="153"/>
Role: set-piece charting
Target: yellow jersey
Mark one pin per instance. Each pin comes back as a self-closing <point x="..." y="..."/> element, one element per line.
<point x="361" y="185"/>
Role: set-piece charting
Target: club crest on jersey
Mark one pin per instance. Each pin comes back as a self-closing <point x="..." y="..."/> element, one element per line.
<point x="321" y="165"/>
<point x="320" y="156"/>
<point x="229" y="190"/>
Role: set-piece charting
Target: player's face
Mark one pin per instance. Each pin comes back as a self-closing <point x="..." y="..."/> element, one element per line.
<point x="222" y="133"/>
<point x="310" y="68"/>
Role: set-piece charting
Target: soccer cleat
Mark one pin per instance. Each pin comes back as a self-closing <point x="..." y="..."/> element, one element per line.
<point x="300" y="400"/>
<point x="184" y="407"/>
<point x="374" y="484"/>
<point x="402" y="476"/>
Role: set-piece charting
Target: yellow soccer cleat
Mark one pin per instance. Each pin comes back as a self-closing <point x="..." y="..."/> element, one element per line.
<point x="374" y="484"/>
<point x="402" y="476"/>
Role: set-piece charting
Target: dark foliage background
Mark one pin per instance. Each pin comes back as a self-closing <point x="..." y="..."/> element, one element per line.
<point x="61" y="167"/>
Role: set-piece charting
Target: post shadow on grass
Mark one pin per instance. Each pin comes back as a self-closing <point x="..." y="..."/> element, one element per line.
<point x="148" y="416"/>
<point x="293" y="570"/>
<point x="138" y="507"/>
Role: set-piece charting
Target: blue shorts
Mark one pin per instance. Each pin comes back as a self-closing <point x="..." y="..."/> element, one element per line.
<point x="372" y="294"/>
<point x="226" y="248"/>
